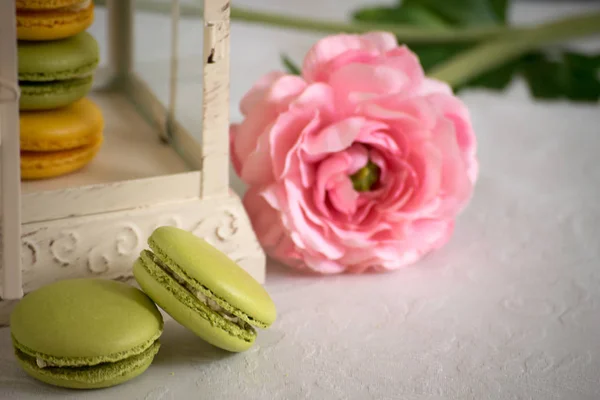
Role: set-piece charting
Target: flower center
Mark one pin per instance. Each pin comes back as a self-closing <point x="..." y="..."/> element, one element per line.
<point x="364" y="179"/>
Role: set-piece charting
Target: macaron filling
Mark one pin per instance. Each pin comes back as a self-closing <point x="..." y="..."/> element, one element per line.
<point x="199" y="287"/>
<point x="49" y="361"/>
<point x="72" y="8"/>
<point x="200" y="295"/>
<point x="207" y="300"/>
<point x="43" y="364"/>
<point x="93" y="373"/>
<point x="40" y="78"/>
<point x="77" y="7"/>
<point x="42" y="5"/>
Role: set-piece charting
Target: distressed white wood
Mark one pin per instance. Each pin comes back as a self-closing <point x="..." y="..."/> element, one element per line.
<point x="120" y="38"/>
<point x="174" y="68"/>
<point x="107" y="197"/>
<point x="106" y="245"/>
<point x="156" y="113"/>
<point x="11" y="170"/>
<point x="215" y="107"/>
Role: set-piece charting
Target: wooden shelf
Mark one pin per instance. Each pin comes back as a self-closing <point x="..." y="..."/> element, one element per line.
<point x="131" y="150"/>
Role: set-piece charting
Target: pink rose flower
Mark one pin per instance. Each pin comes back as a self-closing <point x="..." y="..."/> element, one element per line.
<point x="361" y="163"/>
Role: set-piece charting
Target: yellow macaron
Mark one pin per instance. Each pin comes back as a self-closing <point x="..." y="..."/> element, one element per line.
<point x="60" y="141"/>
<point x="53" y="19"/>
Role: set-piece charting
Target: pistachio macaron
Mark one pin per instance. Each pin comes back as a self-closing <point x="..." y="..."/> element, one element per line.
<point x="53" y="74"/>
<point x="85" y="333"/>
<point x="203" y="289"/>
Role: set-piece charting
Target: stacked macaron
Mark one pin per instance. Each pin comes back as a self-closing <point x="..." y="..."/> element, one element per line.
<point x="61" y="129"/>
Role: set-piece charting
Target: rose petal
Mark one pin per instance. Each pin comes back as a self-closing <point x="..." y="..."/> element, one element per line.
<point x="382" y="41"/>
<point x="307" y="171"/>
<point x="274" y="88"/>
<point x="315" y="65"/>
<point x="427" y="164"/>
<point x="335" y="137"/>
<point x="256" y="169"/>
<point x="368" y="79"/>
<point x="326" y="171"/>
<point x="247" y="134"/>
<point x="323" y="265"/>
<point x="266" y="223"/>
<point x="402" y="58"/>
<point x="455" y="110"/>
<point x="316" y="96"/>
<point x="404" y="112"/>
<point x="455" y="185"/>
<point x="343" y="196"/>
<point x="270" y="100"/>
<point x="258" y="91"/>
<point x="307" y="231"/>
<point x="433" y="86"/>
<point x="235" y="160"/>
<point x="286" y="136"/>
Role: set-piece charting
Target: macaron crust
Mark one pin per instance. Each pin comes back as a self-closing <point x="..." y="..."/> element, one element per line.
<point x="45" y="4"/>
<point x="52" y="20"/>
<point x="85" y="333"/>
<point x="60" y="141"/>
<point x="76" y="125"/>
<point x="44" y="165"/>
<point x="203" y="289"/>
<point x="56" y="73"/>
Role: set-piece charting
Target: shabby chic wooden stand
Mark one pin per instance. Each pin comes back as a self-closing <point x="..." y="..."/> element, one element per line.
<point x="150" y="172"/>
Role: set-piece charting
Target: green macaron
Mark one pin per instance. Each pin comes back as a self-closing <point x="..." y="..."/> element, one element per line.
<point x="203" y="289"/>
<point x="56" y="73"/>
<point x="85" y="333"/>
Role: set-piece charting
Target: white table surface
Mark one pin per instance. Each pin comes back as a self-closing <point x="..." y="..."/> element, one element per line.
<point x="509" y="309"/>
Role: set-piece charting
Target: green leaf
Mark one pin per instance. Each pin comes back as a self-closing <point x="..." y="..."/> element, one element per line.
<point x="496" y="79"/>
<point x="400" y="15"/>
<point x="464" y="12"/>
<point x="572" y="76"/>
<point x="437" y="14"/>
<point x="500" y="8"/>
<point x="429" y="55"/>
<point x="289" y="65"/>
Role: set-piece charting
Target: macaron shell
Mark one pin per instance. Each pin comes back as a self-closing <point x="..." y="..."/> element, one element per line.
<point x="106" y="376"/>
<point x="76" y="125"/>
<point x="53" y="24"/>
<point x="71" y="384"/>
<point x="62" y="59"/>
<point x="49" y="96"/>
<point x="214" y="270"/>
<point x="164" y="297"/>
<point x="45" y="4"/>
<point x="88" y="320"/>
<point x="44" y="165"/>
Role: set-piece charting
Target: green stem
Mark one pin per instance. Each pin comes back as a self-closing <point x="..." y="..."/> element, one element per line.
<point x="496" y="52"/>
<point x="503" y="43"/>
<point x="405" y="34"/>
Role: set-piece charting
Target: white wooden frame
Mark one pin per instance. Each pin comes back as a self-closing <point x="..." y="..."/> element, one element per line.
<point x="98" y="230"/>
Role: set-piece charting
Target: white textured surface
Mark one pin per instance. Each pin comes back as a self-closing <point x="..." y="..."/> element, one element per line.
<point x="510" y="309"/>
